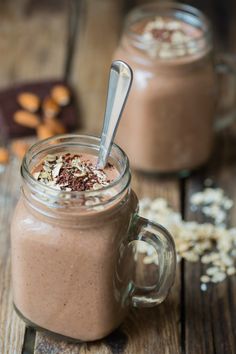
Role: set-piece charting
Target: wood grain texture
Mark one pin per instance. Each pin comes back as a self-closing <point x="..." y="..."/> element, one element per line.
<point x="33" y="40"/>
<point x="98" y="37"/>
<point x="11" y="327"/>
<point x="33" y="47"/>
<point x="210" y="321"/>
<point x="145" y="331"/>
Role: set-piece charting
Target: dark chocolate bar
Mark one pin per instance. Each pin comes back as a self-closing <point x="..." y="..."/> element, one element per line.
<point x="68" y="115"/>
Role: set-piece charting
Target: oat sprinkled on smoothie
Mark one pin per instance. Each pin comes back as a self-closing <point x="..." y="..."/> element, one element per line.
<point x="161" y="33"/>
<point x="72" y="172"/>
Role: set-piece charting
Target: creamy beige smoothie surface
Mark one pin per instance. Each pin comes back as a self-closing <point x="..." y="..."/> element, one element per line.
<point x="74" y="172"/>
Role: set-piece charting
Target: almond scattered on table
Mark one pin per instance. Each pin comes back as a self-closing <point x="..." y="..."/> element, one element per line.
<point x="61" y="95"/>
<point x="50" y="107"/>
<point x="29" y="101"/>
<point x="19" y="148"/>
<point x="55" y="125"/>
<point x="4" y="156"/>
<point x="26" y="119"/>
<point x="46" y="122"/>
<point x="44" y="132"/>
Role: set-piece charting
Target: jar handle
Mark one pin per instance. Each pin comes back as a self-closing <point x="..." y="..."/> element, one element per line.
<point x="226" y="68"/>
<point x="164" y="263"/>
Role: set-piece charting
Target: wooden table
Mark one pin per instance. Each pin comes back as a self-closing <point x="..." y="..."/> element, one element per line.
<point x="189" y="321"/>
<point x="47" y="44"/>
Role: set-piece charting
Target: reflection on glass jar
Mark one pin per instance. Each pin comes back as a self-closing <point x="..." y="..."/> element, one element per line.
<point x="167" y="124"/>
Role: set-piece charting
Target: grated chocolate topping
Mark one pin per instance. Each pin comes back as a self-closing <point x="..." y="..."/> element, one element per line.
<point x="70" y="172"/>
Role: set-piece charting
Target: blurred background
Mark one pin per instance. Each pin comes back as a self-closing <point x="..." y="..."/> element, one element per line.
<point x="75" y="39"/>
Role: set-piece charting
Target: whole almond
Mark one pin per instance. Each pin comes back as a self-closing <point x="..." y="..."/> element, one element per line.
<point x="44" y="132"/>
<point x="55" y="125"/>
<point x="50" y="107"/>
<point x="4" y="156"/>
<point x="28" y="101"/>
<point x="19" y="148"/>
<point x="61" y="95"/>
<point x="26" y="119"/>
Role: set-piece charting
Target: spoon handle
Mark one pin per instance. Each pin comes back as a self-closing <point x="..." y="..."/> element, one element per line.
<point x="120" y="81"/>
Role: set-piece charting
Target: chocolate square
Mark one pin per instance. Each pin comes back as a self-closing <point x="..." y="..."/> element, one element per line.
<point x="8" y="106"/>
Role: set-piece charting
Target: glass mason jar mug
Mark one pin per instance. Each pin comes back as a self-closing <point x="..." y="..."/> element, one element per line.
<point x="76" y="265"/>
<point x="173" y="100"/>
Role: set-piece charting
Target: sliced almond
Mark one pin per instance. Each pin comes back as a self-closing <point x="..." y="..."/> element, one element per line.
<point x="61" y="95"/>
<point x="26" y="119"/>
<point x="55" y="125"/>
<point x="80" y="174"/>
<point x="28" y="101"/>
<point x="43" y="132"/>
<point x="4" y="156"/>
<point x="19" y="148"/>
<point x="56" y="170"/>
<point x="50" y="107"/>
<point x="50" y="158"/>
<point x="36" y="175"/>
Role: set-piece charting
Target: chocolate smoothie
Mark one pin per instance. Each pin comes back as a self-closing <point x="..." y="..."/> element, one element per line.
<point x="63" y="266"/>
<point x="167" y="124"/>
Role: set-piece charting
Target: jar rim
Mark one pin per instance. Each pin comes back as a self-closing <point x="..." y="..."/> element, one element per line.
<point x="64" y="139"/>
<point x="135" y="15"/>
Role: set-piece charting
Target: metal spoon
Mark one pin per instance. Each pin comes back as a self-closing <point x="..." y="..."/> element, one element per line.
<point x="120" y="81"/>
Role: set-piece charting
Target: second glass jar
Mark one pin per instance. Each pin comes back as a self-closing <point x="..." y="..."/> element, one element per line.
<point x="172" y="103"/>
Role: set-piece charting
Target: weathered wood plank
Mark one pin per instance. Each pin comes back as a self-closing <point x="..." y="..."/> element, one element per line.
<point x="160" y="330"/>
<point x="95" y="45"/>
<point x="33" y="40"/>
<point x="33" y="47"/>
<point x="148" y="331"/>
<point x="210" y="321"/>
<point x="11" y="327"/>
